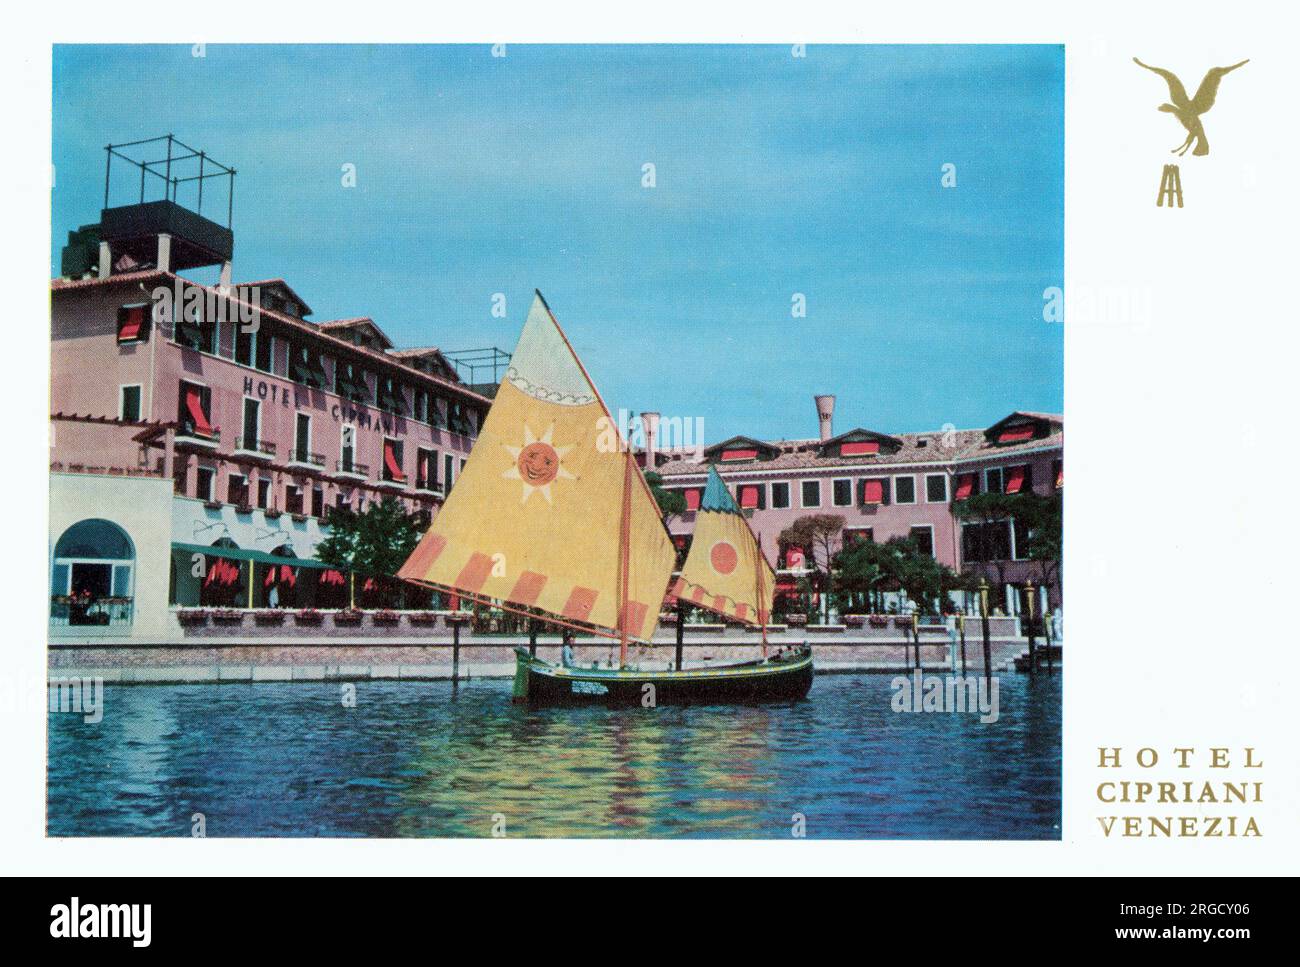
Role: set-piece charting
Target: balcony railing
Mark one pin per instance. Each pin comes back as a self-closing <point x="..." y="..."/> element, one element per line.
<point x="90" y="612"/>
<point x="190" y="431"/>
<point x="250" y="445"/>
<point x="307" y="457"/>
<point x="352" y="467"/>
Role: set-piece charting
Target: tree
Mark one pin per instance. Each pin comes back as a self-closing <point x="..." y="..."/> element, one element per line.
<point x="986" y="510"/>
<point x="671" y="502"/>
<point x="376" y="542"/>
<point x="870" y="568"/>
<point x="1038" y="517"/>
<point x="820" y="536"/>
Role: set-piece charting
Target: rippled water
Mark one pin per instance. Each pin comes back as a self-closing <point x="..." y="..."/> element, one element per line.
<point x="422" y="759"/>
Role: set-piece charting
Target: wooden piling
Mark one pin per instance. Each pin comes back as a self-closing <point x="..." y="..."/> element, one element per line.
<point x="984" y="622"/>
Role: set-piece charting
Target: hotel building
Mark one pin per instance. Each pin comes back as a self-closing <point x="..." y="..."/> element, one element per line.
<point x="884" y="486"/>
<point x="252" y="419"/>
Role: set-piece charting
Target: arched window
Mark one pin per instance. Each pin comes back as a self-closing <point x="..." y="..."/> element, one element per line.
<point x="94" y="572"/>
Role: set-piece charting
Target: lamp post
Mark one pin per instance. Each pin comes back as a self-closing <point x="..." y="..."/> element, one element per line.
<point x="984" y="623"/>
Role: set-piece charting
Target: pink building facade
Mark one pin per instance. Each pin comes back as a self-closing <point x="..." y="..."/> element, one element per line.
<point x="887" y="486"/>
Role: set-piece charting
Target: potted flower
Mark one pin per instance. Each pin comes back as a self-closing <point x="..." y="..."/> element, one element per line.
<point x="192" y="616"/>
<point x="348" y="617"/>
<point x="855" y="620"/>
<point x="269" y="616"/>
<point x="423" y="617"/>
<point x="902" y="621"/>
<point x="228" y="616"/>
<point x="212" y="504"/>
<point x="459" y="617"/>
<point x="668" y="617"/>
<point x="797" y="620"/>
<point x="385" y="617"/>
<point x="308" y="616"/>
<point x="878" y="621"/>
<point x="244" y="509"/>
<point x="272" y="514"/>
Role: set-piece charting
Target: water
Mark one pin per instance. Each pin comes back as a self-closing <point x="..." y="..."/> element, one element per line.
<point x="419" y="759"/>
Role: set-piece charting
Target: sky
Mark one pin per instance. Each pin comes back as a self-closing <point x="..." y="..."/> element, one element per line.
<point x="775" y="175"/>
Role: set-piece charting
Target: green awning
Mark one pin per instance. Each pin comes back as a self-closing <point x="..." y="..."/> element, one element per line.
<point x="261" y="557"/>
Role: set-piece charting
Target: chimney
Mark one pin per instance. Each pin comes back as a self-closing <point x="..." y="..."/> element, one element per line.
<point x="825" y="410"/>
<point x="650" y="427"/>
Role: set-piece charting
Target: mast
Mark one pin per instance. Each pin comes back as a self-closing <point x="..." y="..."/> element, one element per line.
<point x="759" y="561"/>
<point x="624" y="556"/>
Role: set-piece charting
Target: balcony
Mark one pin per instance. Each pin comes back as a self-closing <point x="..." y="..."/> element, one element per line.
<point x="252" y="447"/>
<point x="305" y="458"/>
<point x="69" y="611"/>
<point x="428" y="487"/>
<point x="351" y="469"/>
<point x="190" y="434"/>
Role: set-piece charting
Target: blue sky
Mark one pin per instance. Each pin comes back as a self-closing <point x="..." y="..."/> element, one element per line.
<point x="775" y="175"/>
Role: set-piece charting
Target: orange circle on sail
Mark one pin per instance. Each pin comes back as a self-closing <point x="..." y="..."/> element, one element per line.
<point x="723" y="557"/>
<point x="538" y="464"/>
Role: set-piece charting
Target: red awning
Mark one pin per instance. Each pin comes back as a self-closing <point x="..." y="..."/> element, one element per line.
<point x="749" y="495"/>
<point x="1015" y="479"/>
<point x="739" y="454"/>
<point x="331" y="577"/>
<point x="693" y="499"/>
<point x="1060" y="476"/>
<point x="194" y="405"/>
<point x="965" y="486"/>
<point x="390" y="461"/>
<point x="859" y="449"/>
<point x="1016" y="434"/>
<point x="873" y="491"/>
<point x="132" y="321"/>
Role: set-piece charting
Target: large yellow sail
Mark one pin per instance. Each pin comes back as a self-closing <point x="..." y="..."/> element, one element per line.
<point x="550" y="512"/>
<point x="726" y="571"/>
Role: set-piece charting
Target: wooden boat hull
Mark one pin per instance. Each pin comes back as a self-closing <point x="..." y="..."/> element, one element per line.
<point x="784" y="678"/>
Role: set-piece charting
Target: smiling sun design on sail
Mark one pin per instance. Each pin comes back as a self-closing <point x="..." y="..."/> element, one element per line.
<point x="537" y="463"/>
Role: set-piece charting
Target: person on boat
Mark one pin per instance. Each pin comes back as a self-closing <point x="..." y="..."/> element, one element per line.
<point x="566" y="653"/>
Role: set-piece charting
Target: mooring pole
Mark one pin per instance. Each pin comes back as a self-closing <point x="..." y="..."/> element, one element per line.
<point x="532" y="638"/>
<point x="961" y="627"/>
<point x="984" y="622"/>
<point x="681" y="631"/>
<point x="916" y="638"/>
<point x="1047" y="638"/>
<point x="455" y="652"/>
<point x="1029" y="614"/>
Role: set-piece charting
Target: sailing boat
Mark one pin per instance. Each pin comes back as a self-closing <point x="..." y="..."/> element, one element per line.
<point x="551" y="514"/>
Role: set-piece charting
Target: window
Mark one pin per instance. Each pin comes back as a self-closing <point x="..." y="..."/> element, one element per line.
<point x="392" y="469"/>
<point x="752" y="496"/>
<point x="195" y="411"/>
<point x="780" y="495"/>
<point x="692" y="497"/>
<point x="1020" y="535"/>
<point x="347" y="449"/>
<point x="306" y="367"/>
<point x="350" y="383"/>
<point x="237" y="490"/>
<point x="1020" y="479"/>
<point x="133" y="324"/>
<point x="858" y="535"/>
<point x="128" y="407"/>
<point x="875" y="491"/>
<point x="936" y="488"/>
<point x="448" y="471"/>
<point x="862" y="449"/>
<point x="252" y="425"/>
<point x="810" y="493"/>
<point x="459" y="420"/>
<point x="842" y="493"/>
<point x="343" y="501"/>
<point x="203" y="482"/>
<point x="968" y="484"/>
<point x="244" y="343"/>
<point x="426" y="469"/>
<point x="993" y="480"/>
<point x="904" y="490"/>
<point x="391" y="397"/>
<point x="302" y="439"/>
<point x="318" y="501"/>
<point x="923" y="537"/>
<point x="264" y="355"/>
<point x="293" y="499"/>
<point x="421" y="406"/>
<point x="196" y="333"/>
<point x="263" y="493"/>
<point x="986" y="542"/>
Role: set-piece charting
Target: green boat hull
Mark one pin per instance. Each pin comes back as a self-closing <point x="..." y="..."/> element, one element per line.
<point x="785" y="677"/>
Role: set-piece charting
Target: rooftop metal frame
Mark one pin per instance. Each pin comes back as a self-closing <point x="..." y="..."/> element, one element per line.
<point x="172" y="181"/>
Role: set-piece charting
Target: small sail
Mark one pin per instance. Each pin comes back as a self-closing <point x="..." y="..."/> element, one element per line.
<point x="550" y="512"/>
<point x="726" y="571"/>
